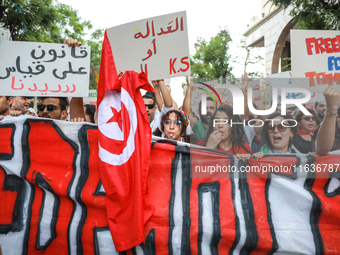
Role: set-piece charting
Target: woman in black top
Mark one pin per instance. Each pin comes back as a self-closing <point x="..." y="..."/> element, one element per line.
<point x="304" y="139"/>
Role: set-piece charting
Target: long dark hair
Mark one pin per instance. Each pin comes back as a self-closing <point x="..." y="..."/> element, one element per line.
<point x="90" y="110"/>
<point x="265" y="134"/>
<point x="237" y="134"/>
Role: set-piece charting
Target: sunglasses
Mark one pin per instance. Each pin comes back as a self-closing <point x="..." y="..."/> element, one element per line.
<point x="175" y="122"/>
<point x="150" y="106"/>
<point x="308" y="118"/>
<point x="280" y="128"/>
<point x="50" y="107"/>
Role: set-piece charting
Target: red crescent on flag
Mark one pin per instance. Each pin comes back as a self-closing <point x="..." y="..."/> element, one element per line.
<point x="117" y="146"/>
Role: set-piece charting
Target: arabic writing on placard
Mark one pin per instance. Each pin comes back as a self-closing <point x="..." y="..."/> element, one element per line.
<point x="153" y="50"/>
<point x="157" y="46"/>
<point x="43" y="69"/>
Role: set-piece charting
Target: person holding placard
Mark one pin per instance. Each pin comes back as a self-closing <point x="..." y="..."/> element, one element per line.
<point x="150" y="104"/>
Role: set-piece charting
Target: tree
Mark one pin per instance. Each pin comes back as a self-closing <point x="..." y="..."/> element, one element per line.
<point x="313" y="14"/>
<point x="211" y="60"/>
<point x="49" y="21"/>
<point x="251" y="59"/>
<point x="41" y="21"/>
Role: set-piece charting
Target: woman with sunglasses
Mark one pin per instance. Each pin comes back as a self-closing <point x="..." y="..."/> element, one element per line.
<point x="174" y="125"/>
<point x="224" y="136"/>
<point x="304" y="139"/>
<point x="277" y="134"/>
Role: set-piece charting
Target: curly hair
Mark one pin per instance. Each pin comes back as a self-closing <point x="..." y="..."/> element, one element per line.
<point x="265" y="134"/>
<point x="237" y="134"/>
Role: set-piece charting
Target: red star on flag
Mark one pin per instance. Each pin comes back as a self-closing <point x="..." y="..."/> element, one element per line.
<point x="117" y="117"/>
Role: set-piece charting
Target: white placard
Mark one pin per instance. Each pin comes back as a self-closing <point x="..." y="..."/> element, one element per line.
<point x="285" y="80"/>
<point x="91" y="98"/>
<point x="157" y="46"/>
<point x="256" y="86"/>
<point x="316" y="56"/>
<point x="44" y="69"/>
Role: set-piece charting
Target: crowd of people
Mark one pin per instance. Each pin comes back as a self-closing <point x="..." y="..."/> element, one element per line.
<point x="317" y="133"/>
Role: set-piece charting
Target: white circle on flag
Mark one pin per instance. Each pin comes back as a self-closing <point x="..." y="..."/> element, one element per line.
<point x="111" y="131"/>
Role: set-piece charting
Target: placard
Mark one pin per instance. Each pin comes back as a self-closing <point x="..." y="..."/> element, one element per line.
<point x="157" y="46"/>
<point x="44" y="69"/>
<point x="316" y="57"/>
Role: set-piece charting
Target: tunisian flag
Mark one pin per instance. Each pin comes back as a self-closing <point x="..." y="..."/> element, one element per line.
<point x="124" y="150"/>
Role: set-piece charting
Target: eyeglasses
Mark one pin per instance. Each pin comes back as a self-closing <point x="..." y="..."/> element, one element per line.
<point x="176" y="122"/>
<point x="280" y="128"/>
<point x="150" y="106"/>
<point x="308" y="118"/>
<point x="50" y="107"/>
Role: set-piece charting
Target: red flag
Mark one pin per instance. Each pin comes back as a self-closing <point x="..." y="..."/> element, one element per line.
<point x="124" y="150"/>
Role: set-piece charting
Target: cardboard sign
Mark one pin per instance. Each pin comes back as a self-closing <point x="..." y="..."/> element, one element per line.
<point x="256" y="86"/>
<point x="157" y="46"/>
<point x="44" y="69"/>
<point x="285" y="80"/>
<point x="91" y="98"/>
<point x="316" y="57"/>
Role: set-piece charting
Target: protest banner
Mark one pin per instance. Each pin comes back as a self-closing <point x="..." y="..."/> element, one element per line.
<point x="316" y="57"/>
<point x="157" y="46"/>
<point x="52" y="199"/>
<point x="44" y="69"/>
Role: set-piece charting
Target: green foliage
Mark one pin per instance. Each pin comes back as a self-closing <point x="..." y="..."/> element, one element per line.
<point x="313" y="14"/>
<point x="49" y="21"/>
<point x="287" y="67"/>
<point x="212" y="60"/>
<point x="41" y="21"/>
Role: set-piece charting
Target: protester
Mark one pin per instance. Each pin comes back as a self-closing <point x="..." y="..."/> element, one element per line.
<point x="328" y="137"/>
<point x="278" y="133"/>
<point x="52" y="107"/>
<point x="320" y="108"/>
<point x="174" y="125"/>
<point x="5" y="104"/>
<point x="304" y="139"/>
<point x="21" y="103"/>
<point x="150" y="104"/>
<point x="224" y="136"/>
<point x="89" y="111"/>
<point x="200" y="127"/>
